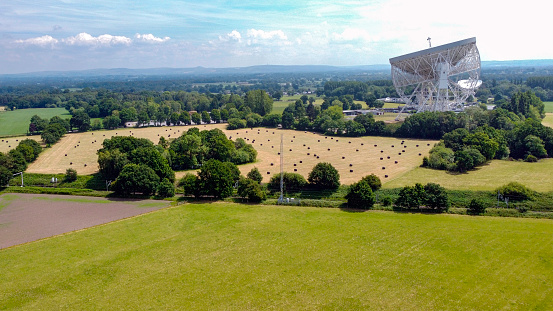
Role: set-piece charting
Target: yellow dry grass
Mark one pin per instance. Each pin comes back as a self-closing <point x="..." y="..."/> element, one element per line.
<point x="301" y="150"/>
<point x="9" y="143"/>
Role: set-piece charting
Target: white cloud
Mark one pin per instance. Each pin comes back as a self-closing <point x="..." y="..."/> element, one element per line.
<point x="86" y="39"/>
<point x="233" y="35"/>
<point x="40" y="41"/>
<point x="350" y="34"/>
<point x="261" y="34"/>
<point x="150" y="38"/>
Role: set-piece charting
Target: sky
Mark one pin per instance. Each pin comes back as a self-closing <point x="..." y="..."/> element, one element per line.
<point x="61" y="35"/>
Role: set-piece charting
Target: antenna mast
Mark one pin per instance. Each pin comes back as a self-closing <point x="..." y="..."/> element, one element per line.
<point x="429" y="43"/>
<point x="281" y="197"/>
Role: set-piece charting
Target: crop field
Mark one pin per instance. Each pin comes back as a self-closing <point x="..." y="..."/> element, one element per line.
<point x="9" y="143"/>
<point x="223" y="256"/>
<point x="548" y="120"/>
<point x="548" y="106"/>
<point x="352" y="157"/>
<point x="13" y="123"/>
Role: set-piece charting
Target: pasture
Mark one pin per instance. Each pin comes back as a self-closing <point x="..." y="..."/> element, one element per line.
<point x="536" y="176"/>
<point x="548" y="106"/>
<point x="9" y="143"/>
<point x="14" y="123"/>
<point x="223" y="256"/>
<point x="352" y="157"/>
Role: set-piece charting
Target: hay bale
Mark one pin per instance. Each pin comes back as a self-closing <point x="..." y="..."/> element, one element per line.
<point x="268" y="173"/>
<point x="395" y="162"/>
<point x="343" y="158"/>
<point x="351" y="171"/>
<point x="383" y="167"/>
<point x="295" y="170"/>
<point x="272" y="164"/>
<point x="385" y="176"/>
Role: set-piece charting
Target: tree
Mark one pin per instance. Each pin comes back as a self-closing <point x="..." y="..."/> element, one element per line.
<point x="111" y="122"/>
<point x="80" y="120"/>
<point x="250" y="189"/>
<point x="287" y="120"/>
<point x="206" y="118"/>
<point x="5" y="175"/>
<point x="255" y="175"/>
<point x="136" y="178"/>
<point x="324" y="176"/>
<point x="37" y="149"/>
<point x="216" y="179"/>
<point x="360" y="195"/>
<point x="292" y="182"/>
<point x="436" y="197"/>
<point x="111" y="163"/>
<point x="196" y="118"/>
<point x="259" y="102"/>
<point x="153" y="159"/>
<point x="37" y="124"/>
<point x="166" y="189"/>
<point x="534" y="146"/>
<point x="271" y="120"/>
<point x="468" y="159"/>
<point x="184" y="118"/>
<point x="411" y="197"/>
<point x="216" y="115"/>
<point x="373" y="181"/>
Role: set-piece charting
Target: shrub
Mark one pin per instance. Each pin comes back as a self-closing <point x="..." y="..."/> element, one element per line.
<point x="250" y="189"/>
<point x="324" y="176"/>
<point x="70" y="175"/>
<point x="386" y="201"/>
<point x="255" y="175"/>
<point x="5" y="176"/>
<point x="530" y="158"/>
<point x="189" y="184"/>
<point x="411" y="197"/>
<point x="476" y="207"/>
<point x="360" y="195"/>
<point x="166" y="189"/>
<point x="292" y="182"/>
<point x="516" y="191"/>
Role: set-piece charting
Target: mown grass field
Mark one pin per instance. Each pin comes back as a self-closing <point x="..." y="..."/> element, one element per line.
<point x="13" y="123"/>
<point x="536" y="176"/>
<point x="301" y="150"/>
<point x="223" y="256"/>
<point x="548" y="106"/>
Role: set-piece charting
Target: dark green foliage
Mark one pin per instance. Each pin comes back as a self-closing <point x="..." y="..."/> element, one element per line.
<point x="468" y="159"/>
<point x="271" y="120"/>
<point x="530" y="158"/>
<point x="292" y="182"/>
<point x="37" y="149"/>
<point x="111" y="122"/>
<point x="125" y="144"/>
<point x="166" y="189"/>
<point x="259" y="102"/>
<point x="526" y="104"/>
<point x="5" y="175"/>
<point x="431" y="125"/>
<point x="189" y="184"/>
<point x="360" y="195"/>
<point x="70" y="175"/>
<point x="217" y="178"/>
<point x="373" y="181"/>
<point x="436" y="197"/>
<point x="476" y="207"/>
<point x="196" y="118"/>
<point x="386" y="201"/>
<point x="411" y="197"/>
<point x="324" y="176"/>
<point x="441" y="158"/>
<point x="136" y="178"/>
<point x="535" y="147"/>
<point x="255" y="175"/>
<point x="236" y="123"/>
<point x="80" y="120"/>
<point x="250" y="189"/>
<point x="151" y="157"/>
<point x="111" y="163"/>
<point x="516" y="191"/>
<point x="52" y="133"/>
<point x="187" y="151"/>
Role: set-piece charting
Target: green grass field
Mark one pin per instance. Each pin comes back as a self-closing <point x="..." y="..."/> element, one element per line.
<point x="13" y="123"/>
<point x="536" y="176"/>
<point x="548" y="106"/>
<point x="224" y="256"/>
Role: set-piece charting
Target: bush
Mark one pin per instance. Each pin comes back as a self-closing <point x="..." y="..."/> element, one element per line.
<point x="70" y="175"/>
<point x="386" y="201"/>
<point x="5" y="176"/>
<point x="250" y="189"/>
<point x="436" y="197"/>
<point x="516" y="191"/>
<point x="476" y="207"/>
<point x="166" y="189"/>
<point x="292" y="182"/>
<point x="189" y="184"/>
<point x="324" y="176"/>
<point x="410" y="197"/>
<point x="530" y="158"/>
<point x="360" y="196"/>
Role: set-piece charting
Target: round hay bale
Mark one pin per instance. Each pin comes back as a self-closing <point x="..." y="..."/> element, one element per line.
<point x="381" y="158"/>
<point x="343" y="158"/>
<point x="272" y="164"/>
<point x="351" y="171"/>
<point x="383" y="167"/>
<point x="301" y="161"/>
<point x="295" y="170"/>
<point x="350" y="164"/>
<point x="295" y="164"/>
<point x="268" y="173"/>
<point x="395" y="162"/>
<point x="385" y="176"/>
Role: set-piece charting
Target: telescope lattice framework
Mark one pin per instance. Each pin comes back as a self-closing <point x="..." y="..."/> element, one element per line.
<point x="439" y="78"/>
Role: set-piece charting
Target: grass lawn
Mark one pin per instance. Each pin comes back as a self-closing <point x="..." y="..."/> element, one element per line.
<point x="536" y="176"/>
<point x="13" y="123"/>
<point x="237" y="257"/>
<point x="548" y="120"/>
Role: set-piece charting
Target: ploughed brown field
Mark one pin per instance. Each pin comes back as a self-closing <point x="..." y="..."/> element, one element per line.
<point x="30" y="217"/>
<point x="354" y="158"/>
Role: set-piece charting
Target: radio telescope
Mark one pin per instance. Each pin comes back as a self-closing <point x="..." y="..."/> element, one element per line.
<point x="439" y="78"/>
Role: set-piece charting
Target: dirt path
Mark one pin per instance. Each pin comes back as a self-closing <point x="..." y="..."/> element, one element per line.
<point x="30" y="217"/>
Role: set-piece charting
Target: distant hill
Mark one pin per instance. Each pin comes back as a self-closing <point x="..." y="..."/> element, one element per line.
<point x="261" y="69"/>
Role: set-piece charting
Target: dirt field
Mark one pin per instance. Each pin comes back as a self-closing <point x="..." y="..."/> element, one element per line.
<point x="30" y="217"/>
<point x="9" y="143"/>
<point x="302" y="150"/>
